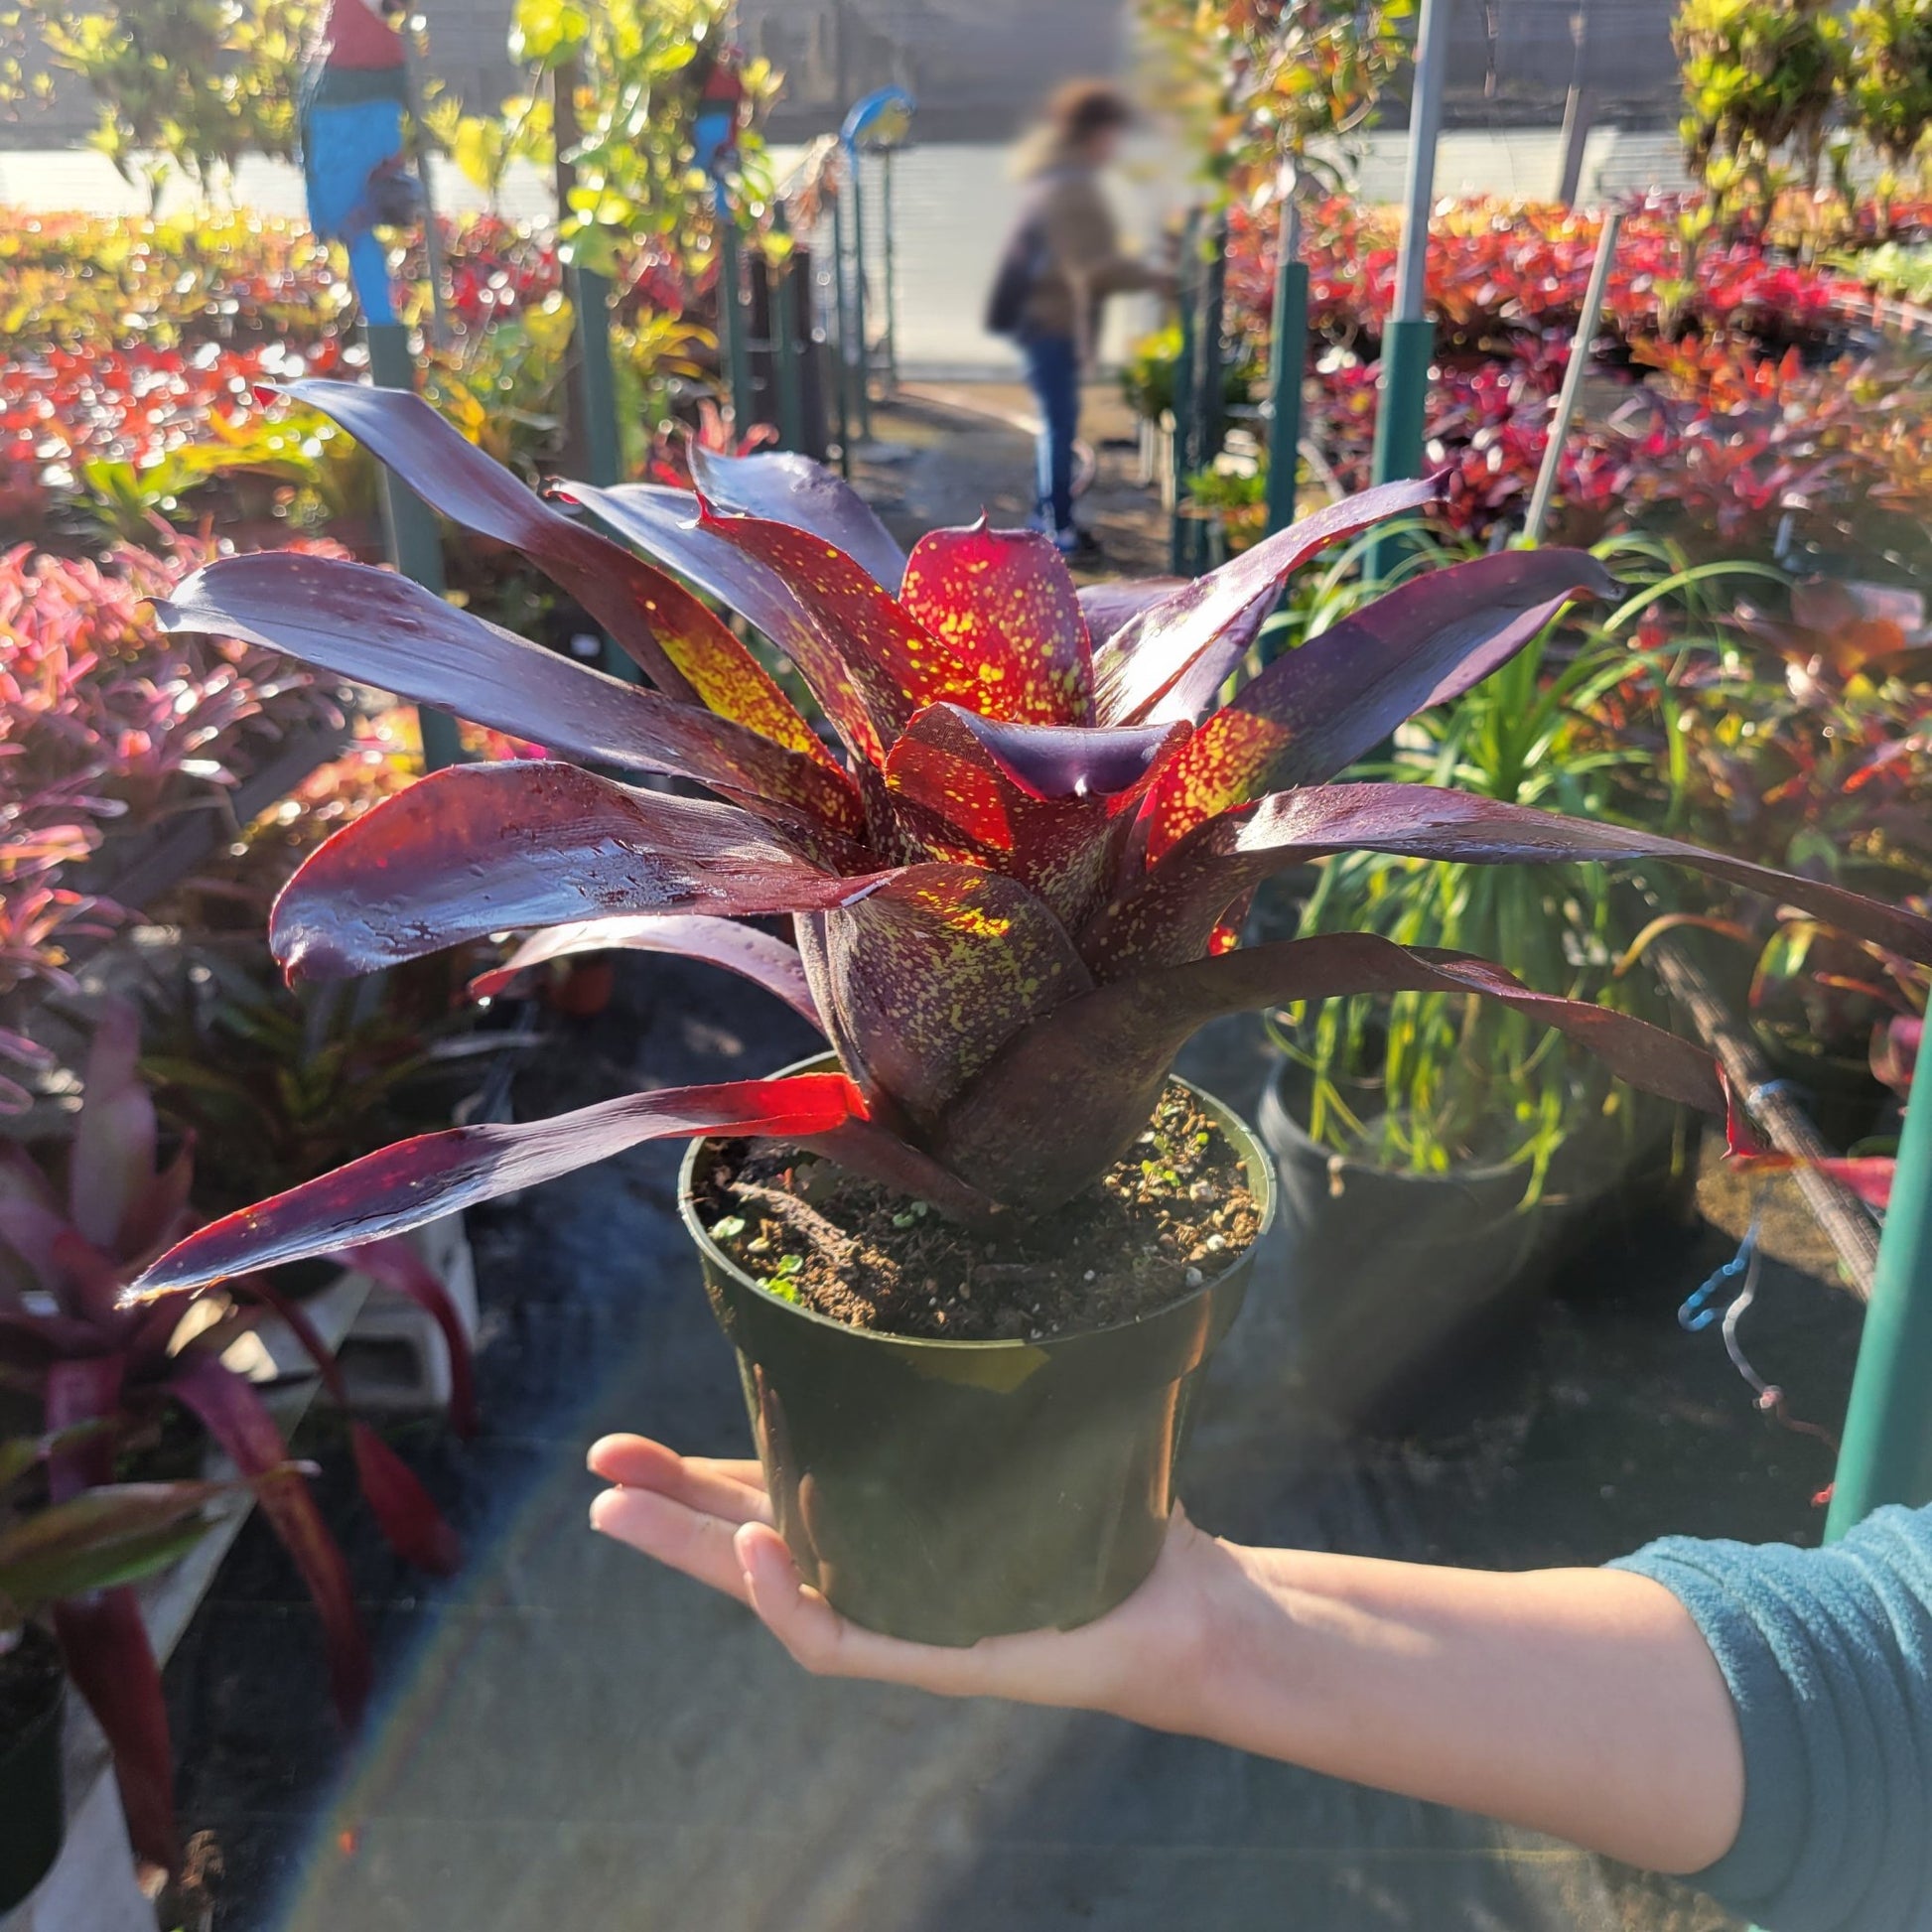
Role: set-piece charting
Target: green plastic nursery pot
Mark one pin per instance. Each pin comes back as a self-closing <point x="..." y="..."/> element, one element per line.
<point x="31" y="1803"/>
<point x="946" y="1491"/>
<point x="1387" y="1270"/>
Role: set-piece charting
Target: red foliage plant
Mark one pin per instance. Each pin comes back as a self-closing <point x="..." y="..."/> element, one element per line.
<point x="102" y="1370"/>
<point x="103" y="720"/>
<point x="1007" y="874"/>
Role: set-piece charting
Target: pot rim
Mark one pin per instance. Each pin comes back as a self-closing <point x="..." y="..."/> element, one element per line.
<point x="1246" y="1141"/>
<point x="1463" y="1174"/>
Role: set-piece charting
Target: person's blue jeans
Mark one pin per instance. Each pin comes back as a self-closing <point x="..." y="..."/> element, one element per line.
<point x="1053" y="372"/>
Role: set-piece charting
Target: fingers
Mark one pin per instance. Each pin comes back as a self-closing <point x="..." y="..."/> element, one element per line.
<point x="730" y="1489"/>
<point x="826" y="1643"/>
<point x="690" y="1539"/>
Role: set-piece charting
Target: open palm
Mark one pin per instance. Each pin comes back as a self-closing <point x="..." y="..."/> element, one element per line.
<point x="712" y="1520"/>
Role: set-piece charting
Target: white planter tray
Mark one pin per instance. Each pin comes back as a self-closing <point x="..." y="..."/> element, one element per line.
<point x="392" y="1354"/>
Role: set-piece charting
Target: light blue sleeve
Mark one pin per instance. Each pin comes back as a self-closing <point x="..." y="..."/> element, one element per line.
<point x="1827" y="1654"/>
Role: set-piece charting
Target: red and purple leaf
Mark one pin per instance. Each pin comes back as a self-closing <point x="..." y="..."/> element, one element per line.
<point x="30" y="1220"/>
<point x="681" y="646"/>
<point x="1167" y="917"/>
<point x="414" y="1181"/>
<point x="381" y="628"/>
<point x="1896" y="1047"/>
<point x="489" y="847"/>
<point x="667" y="524"/>
<point x="81" y="1389"/>
<point x="1050" y="805"/>
<point x="864" y="1147"/>
<point x="235" y="1417"/>
<point x="1869" y="1176"/>
<point x="412" y="1525"/>
<point x="1171" y="659"/>
<point x="1068" y="1097"/>
<point x="105" y="1646"/>
<point x="110" y="1167"/>
<point x="894" y="663"/>
<point x="1314" y="711"/>
<point x="1110" y="608"/>
<point x="758" y="956"/>
<point x="787" y="489"/>
<point x="159" y="1213"/>
<point x="928" y="977"/>
<point x="410" y="1522"/>
<point x="1003" y="599"/>
<point x="399" y="1266"/>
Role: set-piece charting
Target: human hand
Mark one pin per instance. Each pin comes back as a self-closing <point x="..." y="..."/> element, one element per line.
<point x="1144" y="1660"/>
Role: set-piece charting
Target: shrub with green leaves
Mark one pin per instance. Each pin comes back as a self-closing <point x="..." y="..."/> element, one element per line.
<point x="190" y="84"/>
<point x="1889" y="75"/>
<point x="1759" y="77"/>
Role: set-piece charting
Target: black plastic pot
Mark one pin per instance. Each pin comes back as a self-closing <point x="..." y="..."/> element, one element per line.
<point x="32" y="1819"/>
<point x="1390" y="1274"/>
<point x="952" y="1491"/>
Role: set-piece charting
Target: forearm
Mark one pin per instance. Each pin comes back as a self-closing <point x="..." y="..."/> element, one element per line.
<point x="1582" y="1703"/>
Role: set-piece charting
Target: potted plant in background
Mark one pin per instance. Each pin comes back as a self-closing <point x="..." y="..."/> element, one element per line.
<point x="1802" y="739"/>
<point x="57" y="1549"/>
<point x="1007" y="883"/>
<point x="1435" y="1151"/>
<point x="106" y="1377"/>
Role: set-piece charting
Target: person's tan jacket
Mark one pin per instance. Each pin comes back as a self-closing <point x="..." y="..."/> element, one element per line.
<point x="1082" y="262"/>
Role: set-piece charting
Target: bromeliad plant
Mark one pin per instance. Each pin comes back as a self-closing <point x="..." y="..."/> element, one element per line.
<point x="1014" y="878"/>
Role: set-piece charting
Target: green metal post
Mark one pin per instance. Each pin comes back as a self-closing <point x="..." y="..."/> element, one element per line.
<point x="861" y="352"/>
<point x="1407" y="339"/>
<point x="788" y="329"/>
<point x="597" y="409"/>
<point x="891" y="273"/>
<point x="1180" y="534"/>
<point x="732" y="320"/>
<point x="841" y="325"/>
<point x="1288" y="357"/>
<point x="592" y="440"/>
<point x="1208" y="416"/>
<point x="1406" y="351"/>
<point x="414" y="35"/>
<point x="414" y="543"/>
<point x="1887" y="1452"/>
<point x="597" y="382"/>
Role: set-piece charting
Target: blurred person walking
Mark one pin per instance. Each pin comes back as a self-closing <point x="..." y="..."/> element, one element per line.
<point x="1060" y="262"/>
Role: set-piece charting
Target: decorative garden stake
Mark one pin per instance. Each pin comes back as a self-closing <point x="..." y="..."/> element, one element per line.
<point x="596" y="398"/>
<point x="1573" y="378"/>
<point x="356" y="173"/>
<point x="1016" y="878"/>
<point x="353" y="161"/>
<point x="1409" y="338"/>
<point x="880" y="119"/>
<point x="715" y="130"/>
<point x="1288" y="352"/>
<point x="877" y="124"/>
